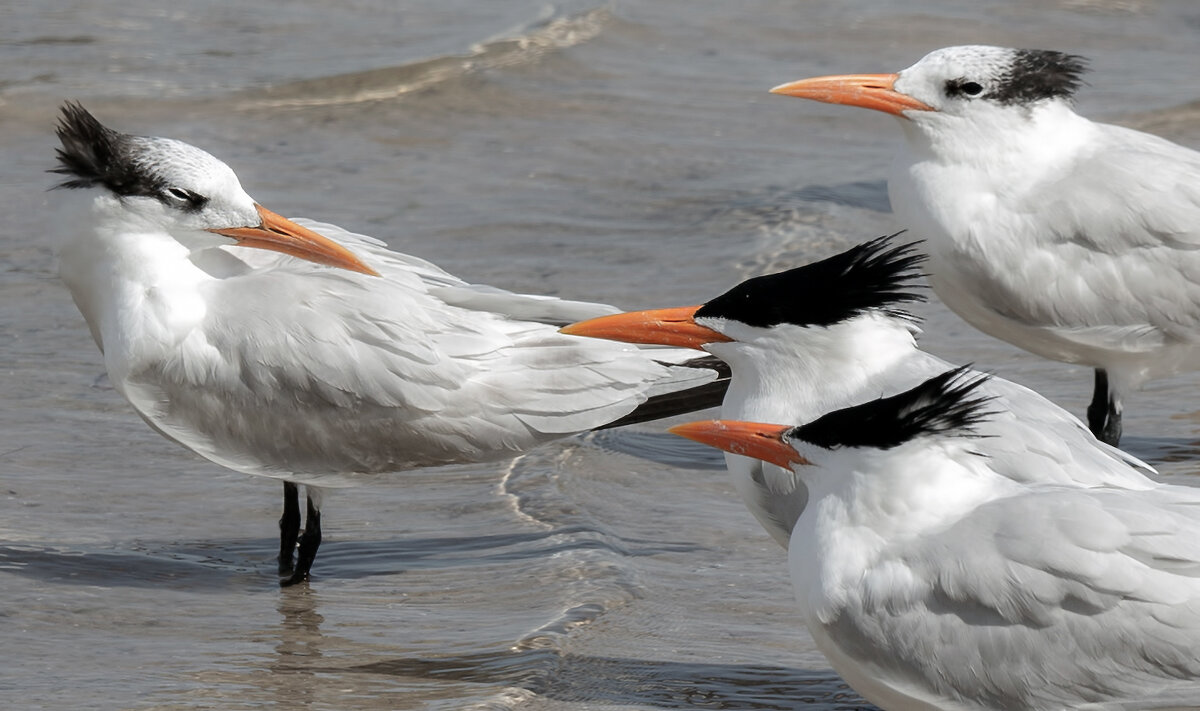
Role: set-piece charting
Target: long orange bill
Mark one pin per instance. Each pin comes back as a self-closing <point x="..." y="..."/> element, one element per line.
<point x="667" y="327"/>
<point x="279" y="234"/>
<point x="870" y="91"/>
<point x="751" y="439"/>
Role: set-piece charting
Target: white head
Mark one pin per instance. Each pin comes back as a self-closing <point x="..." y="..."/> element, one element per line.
<point x="955" y="80"/>
<point x="974" y="82"/>
<point x="163" y="186"/>
<point x="815" y="328"/>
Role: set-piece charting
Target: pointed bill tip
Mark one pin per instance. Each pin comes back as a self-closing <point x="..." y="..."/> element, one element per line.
<point x="666" y="327"/>
<point x="785" y="88"/>
<point x="750" y="439"/>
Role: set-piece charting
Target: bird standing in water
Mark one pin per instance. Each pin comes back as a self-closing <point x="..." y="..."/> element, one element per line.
<point x="1075" y="240"/>
<point x="303" y="352"/>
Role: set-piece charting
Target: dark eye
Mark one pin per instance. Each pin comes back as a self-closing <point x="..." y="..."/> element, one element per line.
<point x="183" y="198"/>
<point x="963" y="87"/>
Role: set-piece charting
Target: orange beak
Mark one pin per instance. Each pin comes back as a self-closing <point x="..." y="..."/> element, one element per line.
<point x="870" y="91"/>
<point x="279" y="234"/>
<point x="666" y="327"/>
<point x="751" y="439"/>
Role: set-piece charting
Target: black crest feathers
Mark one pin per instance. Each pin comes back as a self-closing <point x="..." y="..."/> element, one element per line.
<point x="874" y="275"/>
<point x="944" y="403"/>
<point x="1037" y="74"/>
<point x="93" y="154"/>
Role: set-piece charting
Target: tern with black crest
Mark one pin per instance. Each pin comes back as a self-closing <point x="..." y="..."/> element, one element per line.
<point x="930" y="580"/>
<point x="304" y="352"/>
<point x="834" y="333"/>
<point x="1075" y="240"/>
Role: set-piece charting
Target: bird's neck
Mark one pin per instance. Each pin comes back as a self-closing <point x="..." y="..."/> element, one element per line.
<point x="1000" y="140"/>
<point x="137" y="289"/>
<point x="860" y="512"/>
<point x="801" y="373"/>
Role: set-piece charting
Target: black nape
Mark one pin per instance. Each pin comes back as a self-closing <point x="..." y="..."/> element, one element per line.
<point x="874" y="275"/>
<point x="941" y="404"/>
<point x="1037" y="74"/>
<point x="94" y="155"/>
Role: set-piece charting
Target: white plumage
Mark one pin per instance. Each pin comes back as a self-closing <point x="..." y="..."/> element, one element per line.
<point x="832" y="334"/>
<point x="1075" y="240"/>
<point x="286" y="367"/>
<point x="931" y="580"/>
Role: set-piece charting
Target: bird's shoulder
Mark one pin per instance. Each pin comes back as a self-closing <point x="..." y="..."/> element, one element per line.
<point x="441" y="286"/>
<point x="1030" y="439"/>
<point x="1093" y="249"/>
<point x="1125" y="190"/>
<point x="420" y="339"/>
<point x="412" y="296"/>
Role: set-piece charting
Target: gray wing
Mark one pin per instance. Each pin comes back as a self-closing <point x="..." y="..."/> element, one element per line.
<point x="1044" y="601"/>
<point x="456" y="292"/>
<point x="1137" y="200"/>
<point x="314" y="373"/>
<point x="1029" y="438"/>
<point x="1126" y="217"/>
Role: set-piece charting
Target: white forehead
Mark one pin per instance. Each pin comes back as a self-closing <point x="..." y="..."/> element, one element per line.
<point x="975" y="61"/>
<point x="183" y="165"/>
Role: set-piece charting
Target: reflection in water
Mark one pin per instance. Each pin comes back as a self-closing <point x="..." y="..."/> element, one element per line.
<point x="135" y="565"/>
<point x="350" y="560"/>
<point x="292" y="681"/>
<point x="658" y="447"/>
<point x="300" y="630"/>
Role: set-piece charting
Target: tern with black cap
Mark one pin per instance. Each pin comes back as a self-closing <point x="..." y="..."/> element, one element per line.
<point x="932" y="581"/>
<point x="830" y="334"/>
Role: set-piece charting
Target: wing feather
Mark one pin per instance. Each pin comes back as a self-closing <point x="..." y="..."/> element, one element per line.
<point x="1134" y="280"/>
<point x="313" y="372"/>
<point x="1060" y="597"/>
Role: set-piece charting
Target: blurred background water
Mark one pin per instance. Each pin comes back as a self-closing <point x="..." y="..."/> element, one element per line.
<point x="611" y="151"/>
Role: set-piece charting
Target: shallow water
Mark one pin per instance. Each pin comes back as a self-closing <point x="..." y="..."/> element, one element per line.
<point x="622" y="152"/>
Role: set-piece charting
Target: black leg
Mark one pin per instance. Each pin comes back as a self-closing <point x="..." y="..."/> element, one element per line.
<point x="309" y="543"/>
<point x="1097" y="411"/>
<point x="1112" y="429"/>
<point x="1104" y="412"/>
<point x="289" y="528"/>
